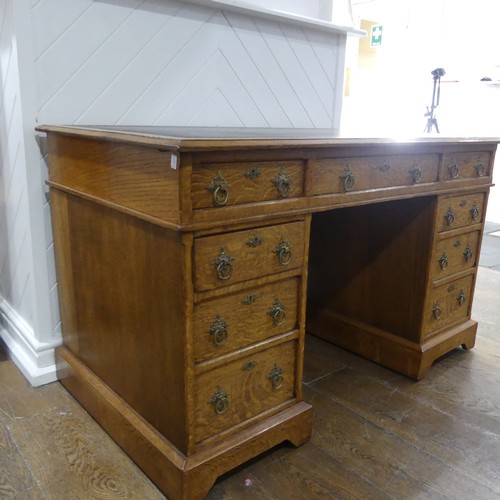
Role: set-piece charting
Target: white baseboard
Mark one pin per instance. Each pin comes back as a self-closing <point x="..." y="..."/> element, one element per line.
<point x="35" y="359"/>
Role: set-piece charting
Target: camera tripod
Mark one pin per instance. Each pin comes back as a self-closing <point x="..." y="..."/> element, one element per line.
<point x="432" y="120"/>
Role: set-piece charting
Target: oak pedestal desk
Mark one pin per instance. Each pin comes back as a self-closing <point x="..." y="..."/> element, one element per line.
<point x="186" y="260"/>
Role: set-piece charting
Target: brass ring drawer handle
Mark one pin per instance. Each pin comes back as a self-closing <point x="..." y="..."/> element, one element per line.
<point x="276" y="378"/>
<point x="416" y="173"/>
<point x="277" y="312"/>
<point x="283" y="183"/>
<point x="220" y="400"/>
<point x="443" y="262"/>
<point x="449" y="217"/>
<point x="436" y="311"/>
<point x="219" y="188"/>
<point x="474" y="212"/>
<point x="284" y="252"/>
<point x="347" y="178"/>
<point x="223" y="265"/>
<point x="461" y="298"/>
<point x="453" y="169"/>
<point x="218" y="331"/>
<point x="479" y="168"/>
<point x="467" y="253"/>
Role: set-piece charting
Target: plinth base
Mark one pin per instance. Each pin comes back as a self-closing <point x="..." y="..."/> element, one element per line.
<point x="401" y="355"/>
<point x="178" y="476"/>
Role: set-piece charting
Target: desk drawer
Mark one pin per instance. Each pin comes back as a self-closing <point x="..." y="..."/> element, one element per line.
<point x="229" y="258"/>
<point x="240" y="390"/>
<point x="452" y="255"/>
<point x="448" y="304"/>
<point x="460" y="211"/>
<point x="466" y="166"/>
<point x="339" y="175"/>
<point x="228" y="323"/>
<point x="237" y="183"/>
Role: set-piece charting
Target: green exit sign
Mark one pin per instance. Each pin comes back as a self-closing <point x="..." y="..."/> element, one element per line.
<point x="376" y="38"/>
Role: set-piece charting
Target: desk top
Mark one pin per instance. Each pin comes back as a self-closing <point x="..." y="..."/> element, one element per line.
<point x="209" y="138"/>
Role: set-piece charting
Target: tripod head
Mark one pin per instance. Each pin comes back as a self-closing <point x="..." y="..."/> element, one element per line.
<point x="438" y="73"/>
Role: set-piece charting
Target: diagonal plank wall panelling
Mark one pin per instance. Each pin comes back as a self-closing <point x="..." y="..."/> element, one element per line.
<point x="160" y="62"/>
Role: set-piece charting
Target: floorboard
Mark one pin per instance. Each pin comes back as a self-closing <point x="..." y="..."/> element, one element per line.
<point x="376" y="435"/>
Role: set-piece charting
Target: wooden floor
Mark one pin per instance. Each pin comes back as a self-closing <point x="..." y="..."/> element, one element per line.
<point x="376" y="434"/>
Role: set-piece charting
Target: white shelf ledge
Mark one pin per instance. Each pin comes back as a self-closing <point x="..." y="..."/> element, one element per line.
<point x="278" y="15"/>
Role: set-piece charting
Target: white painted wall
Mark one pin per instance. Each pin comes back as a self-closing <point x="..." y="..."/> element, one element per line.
<point x="25" y="308"/>
<point x="132" y="62"/>
<point x="391" y="97"/>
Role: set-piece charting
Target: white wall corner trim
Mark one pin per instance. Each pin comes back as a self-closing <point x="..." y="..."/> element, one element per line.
<point x="35" y="359"/>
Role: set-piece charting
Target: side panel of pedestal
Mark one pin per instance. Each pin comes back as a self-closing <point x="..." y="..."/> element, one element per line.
<point x="122" y="298"/>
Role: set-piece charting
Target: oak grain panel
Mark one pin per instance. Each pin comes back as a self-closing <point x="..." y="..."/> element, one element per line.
<point x="460" y="207"/>
<point x="451" y="309"/>
<point x="133" y="176"/>
<point x="370" y="263"/>
<point x="460" y="253"/>
<point x="247" y="182"/>
<point x="466" y="165"/>
<point x="248" y="387"/>
<point x="247" y="315"/>
<point x="249" y="261"/>
<point x="325" y="175"/>
<point x="121" y="269"/>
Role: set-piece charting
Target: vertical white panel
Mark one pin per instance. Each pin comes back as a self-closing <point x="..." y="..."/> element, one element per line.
<point x="16" y="265"/>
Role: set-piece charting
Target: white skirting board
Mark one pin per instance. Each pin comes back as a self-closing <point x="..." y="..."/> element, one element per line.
<point x="35" y="359"/>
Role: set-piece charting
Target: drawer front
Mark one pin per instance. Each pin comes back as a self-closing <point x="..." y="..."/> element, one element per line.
<point x="466" y="166"/>
<point x="231" y="394"/>
<point x="452" y="255"/>
<point x="460" y="211"/>
<point x="448" y="304"/>
<point x="339" y="175"/>
<point x="228" y="323"/>
<point x="237" y="183"/>
<point x="233" y="257"/>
